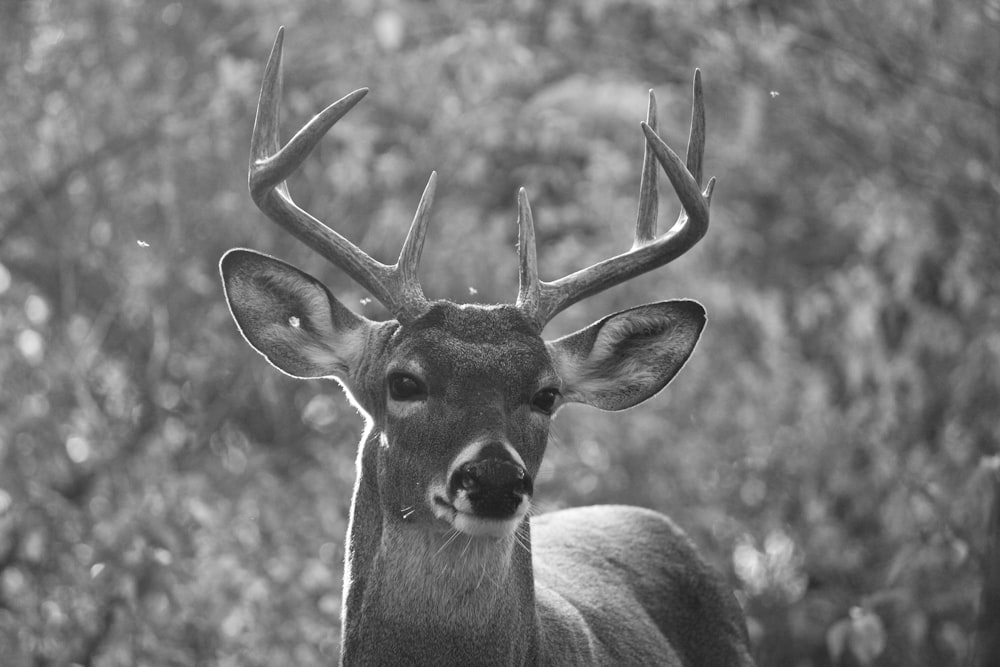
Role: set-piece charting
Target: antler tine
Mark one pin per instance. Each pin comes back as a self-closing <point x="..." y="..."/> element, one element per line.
<point x="648" y="251"/>
<point x="529" y="291"/>
<point x="413" y="246"/>
<point x="696" y="136"/>
<point x="645" y="221"/>
<point x="693" y="163"/>
<point x="394" y="286"/>
<point x="264" y="141"/>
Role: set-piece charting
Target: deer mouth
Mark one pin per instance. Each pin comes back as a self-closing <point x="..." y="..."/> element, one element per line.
<point x="463" y="516"/>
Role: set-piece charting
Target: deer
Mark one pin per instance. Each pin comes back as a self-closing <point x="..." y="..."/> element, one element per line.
<point x="445" y="561"/>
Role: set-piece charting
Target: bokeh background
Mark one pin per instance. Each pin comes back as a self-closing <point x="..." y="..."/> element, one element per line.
<point x="167" y="498"/>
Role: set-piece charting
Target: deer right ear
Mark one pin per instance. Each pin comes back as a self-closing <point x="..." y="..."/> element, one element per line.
<point x="291" y="318"/>
<point x="622" y="360"/>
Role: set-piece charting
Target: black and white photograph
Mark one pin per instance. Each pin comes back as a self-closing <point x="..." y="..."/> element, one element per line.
<point x="459" y="333"/>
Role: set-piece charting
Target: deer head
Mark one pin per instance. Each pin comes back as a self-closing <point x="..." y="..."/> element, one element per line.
<point x="461" y="395"/>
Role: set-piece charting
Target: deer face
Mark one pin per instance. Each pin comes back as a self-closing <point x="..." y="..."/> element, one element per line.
<point x="460" y="397"/>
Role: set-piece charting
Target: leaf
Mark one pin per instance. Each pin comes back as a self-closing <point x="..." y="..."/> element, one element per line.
<point x="836" y="639"/>
<point x="866" y="638"/>
<point x="862" y="632"/>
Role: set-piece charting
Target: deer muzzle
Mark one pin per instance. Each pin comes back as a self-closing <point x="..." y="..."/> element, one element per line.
<point x="493" y="488"/>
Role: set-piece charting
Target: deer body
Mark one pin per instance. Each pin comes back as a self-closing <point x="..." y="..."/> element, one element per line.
<point x="444" y="564"/>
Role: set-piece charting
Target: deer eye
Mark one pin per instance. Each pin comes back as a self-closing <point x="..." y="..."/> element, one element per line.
<point x="404" y="387"/>
<point x="545" y="400"/>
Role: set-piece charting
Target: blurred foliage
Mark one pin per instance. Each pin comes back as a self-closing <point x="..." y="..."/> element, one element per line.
<point x="166" y="498"/>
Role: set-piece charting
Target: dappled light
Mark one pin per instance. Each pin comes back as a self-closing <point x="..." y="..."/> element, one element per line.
<point x="168" y="498"/>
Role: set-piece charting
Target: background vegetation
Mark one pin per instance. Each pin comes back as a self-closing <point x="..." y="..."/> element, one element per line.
<point x="166" y="498"/>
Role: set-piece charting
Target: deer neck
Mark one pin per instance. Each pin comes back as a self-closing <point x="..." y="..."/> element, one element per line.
<point x="415" y="597"/>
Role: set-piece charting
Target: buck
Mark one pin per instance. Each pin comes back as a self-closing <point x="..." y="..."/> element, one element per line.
<point x="445" y="562"/>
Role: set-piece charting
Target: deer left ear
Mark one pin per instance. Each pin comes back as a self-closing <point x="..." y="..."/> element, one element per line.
<point x="625" y="358"/>
<point x="291" y="318"/>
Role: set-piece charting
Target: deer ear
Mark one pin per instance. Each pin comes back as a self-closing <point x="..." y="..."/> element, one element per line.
<point x="291" y="318"/>
<point x="627" y="357"/>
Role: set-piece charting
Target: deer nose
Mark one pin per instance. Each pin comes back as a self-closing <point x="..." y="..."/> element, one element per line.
<point x="494" y="487"/>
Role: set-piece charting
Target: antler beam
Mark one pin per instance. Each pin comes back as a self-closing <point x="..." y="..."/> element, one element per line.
<point x="541" y="300"/>
<point x="395" y="286"/>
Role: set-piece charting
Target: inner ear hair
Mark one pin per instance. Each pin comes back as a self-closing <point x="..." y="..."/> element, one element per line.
<point x="629" y="356"/>
<point x="290" y="317"/>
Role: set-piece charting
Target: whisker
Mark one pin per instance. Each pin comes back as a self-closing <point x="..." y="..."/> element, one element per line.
<point x="493" y="578"/>
<point x="539" y="507"/>
<point x="520" y="537"/>
<point x="481" y="576"/>
<point x="452" y="534"/>
<point x="522" y="541"/>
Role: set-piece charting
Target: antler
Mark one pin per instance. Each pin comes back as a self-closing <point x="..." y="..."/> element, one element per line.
<point x="541" y="300"/>
<point x="396" y="286"/>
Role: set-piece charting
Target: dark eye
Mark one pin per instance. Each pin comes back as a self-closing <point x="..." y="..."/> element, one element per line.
<point x="545" y="400"/>
<point x="403" y="387"/>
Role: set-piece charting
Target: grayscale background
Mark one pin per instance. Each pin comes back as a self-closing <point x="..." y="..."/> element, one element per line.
<point x="167" y="498"/>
